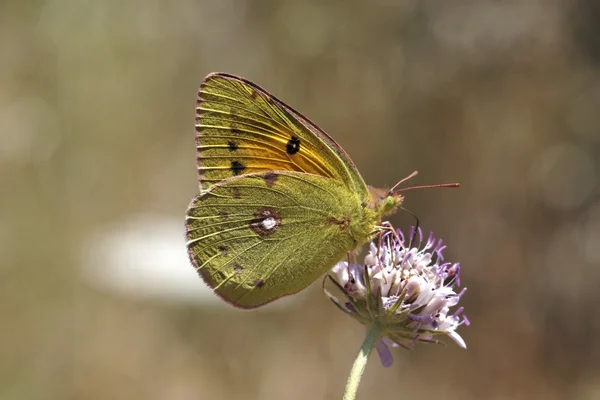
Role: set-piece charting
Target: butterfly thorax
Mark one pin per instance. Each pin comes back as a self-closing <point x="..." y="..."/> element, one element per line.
<point x="362" y="224"/>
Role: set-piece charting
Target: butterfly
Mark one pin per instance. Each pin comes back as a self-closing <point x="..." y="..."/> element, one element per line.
<point x="280" y="202"/>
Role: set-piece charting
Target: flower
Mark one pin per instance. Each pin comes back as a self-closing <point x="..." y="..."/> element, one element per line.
<point x="406" y="288"/>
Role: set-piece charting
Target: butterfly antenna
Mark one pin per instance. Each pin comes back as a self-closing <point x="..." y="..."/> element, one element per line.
<point x="415" y="173"/>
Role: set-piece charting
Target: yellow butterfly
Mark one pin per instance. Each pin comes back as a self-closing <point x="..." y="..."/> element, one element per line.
<point x="280" y="201"/>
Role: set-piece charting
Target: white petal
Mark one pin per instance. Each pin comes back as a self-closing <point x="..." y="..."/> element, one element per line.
<point x="459" y="341"/>
<point x="340" y="270"/>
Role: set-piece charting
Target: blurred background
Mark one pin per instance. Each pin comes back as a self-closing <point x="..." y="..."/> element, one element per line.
<point x="97" y="167"/>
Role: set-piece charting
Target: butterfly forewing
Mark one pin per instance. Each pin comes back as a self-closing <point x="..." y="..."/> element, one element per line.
<point x="258" y="237"/>
<point x="241" y="129"/>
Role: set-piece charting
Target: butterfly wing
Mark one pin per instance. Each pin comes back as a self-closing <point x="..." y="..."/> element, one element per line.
<point x="241" y="129"/>
<point x="257" y="237"/>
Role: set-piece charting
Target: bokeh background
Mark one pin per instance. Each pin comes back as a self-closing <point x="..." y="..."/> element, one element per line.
<point x="97" y="167"/>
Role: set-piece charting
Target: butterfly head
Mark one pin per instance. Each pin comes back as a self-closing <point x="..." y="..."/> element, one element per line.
<point x="383" y="201"/>
<point x="391" y="202"/>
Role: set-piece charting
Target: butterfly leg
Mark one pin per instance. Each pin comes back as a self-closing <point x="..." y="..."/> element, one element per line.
<point x="348" y="264"/>
<point x="387" y="225"/>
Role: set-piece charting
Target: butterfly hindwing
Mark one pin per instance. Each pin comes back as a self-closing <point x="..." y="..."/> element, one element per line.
<point x="257" y="237"/>
<point x="241" y="129"/>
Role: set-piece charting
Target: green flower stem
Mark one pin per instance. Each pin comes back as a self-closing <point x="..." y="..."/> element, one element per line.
<point x="361" y="361"/>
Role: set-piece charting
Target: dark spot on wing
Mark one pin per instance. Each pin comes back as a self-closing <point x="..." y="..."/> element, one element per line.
<point x="237" y="167"/>
<point x="253" y="94"/>
<point x="224" y="214"/>
<point x="223" y="250"/>
<point x="198" y="128"/>
<point x="293" y="145"/>
<point x="237" y="268"/>
<point x="233" y="146"/>
<point x="258" y="283"/>
<point x="235" y="192"/>
<point x="270" y="178"/>
<point x="219" y="275"/>
<point x="343" y="222"/>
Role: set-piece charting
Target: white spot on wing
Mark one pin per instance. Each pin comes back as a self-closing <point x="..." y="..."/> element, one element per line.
<point x="269" y="223"/>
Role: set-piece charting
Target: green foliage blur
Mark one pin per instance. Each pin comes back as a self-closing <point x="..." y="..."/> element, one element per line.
<point x="96" y="128"/>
